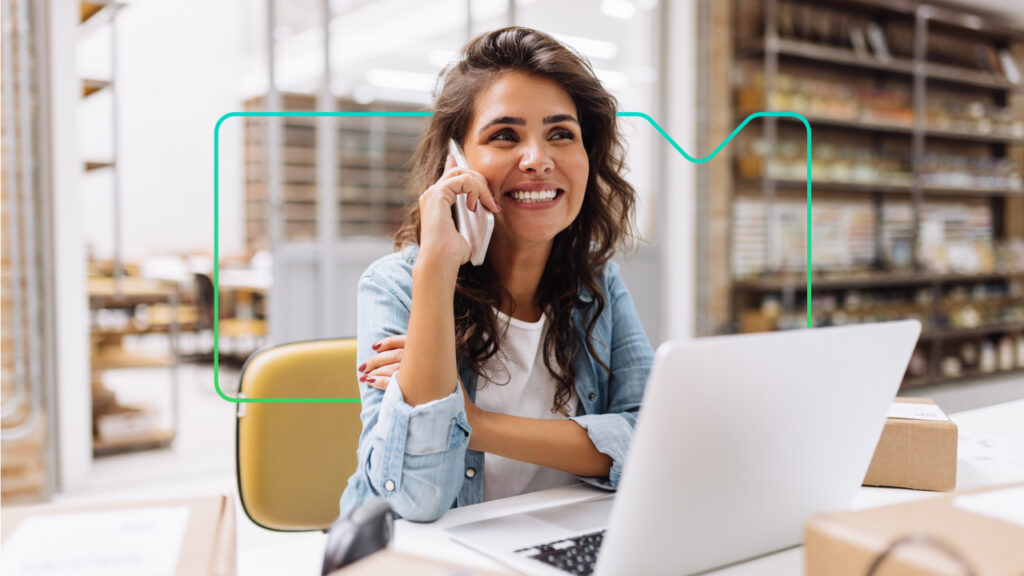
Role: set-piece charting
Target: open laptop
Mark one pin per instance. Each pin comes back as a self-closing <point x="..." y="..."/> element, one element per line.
<point x="739" y="441"/>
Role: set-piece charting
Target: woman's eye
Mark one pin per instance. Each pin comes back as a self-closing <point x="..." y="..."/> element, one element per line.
<point x="564" y="135"/>
<point x="505" y="134"/>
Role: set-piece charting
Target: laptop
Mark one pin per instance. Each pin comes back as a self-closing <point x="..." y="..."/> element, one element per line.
<point x="739" y="441"/>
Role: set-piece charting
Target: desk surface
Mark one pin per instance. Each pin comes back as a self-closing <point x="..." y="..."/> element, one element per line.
<point x="303" y="553"/>
<point x="430" y="539"/>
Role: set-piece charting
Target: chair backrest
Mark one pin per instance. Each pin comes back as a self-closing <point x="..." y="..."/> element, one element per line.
<point x="294" y="459"/>
<point x="204" y="298"/>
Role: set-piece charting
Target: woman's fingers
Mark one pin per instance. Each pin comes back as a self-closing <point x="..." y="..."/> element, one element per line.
<point x="389" y="343"/>
<point x="382" y="359"/>
<point x="456" y="180"/>
<point x="380" y="382"/>
<point x="388" y="371"/>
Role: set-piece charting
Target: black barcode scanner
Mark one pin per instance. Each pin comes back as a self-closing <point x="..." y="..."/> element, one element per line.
<point x="365" y="530"/>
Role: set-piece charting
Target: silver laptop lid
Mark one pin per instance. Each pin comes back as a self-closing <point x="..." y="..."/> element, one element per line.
<point x="742" y="438"/>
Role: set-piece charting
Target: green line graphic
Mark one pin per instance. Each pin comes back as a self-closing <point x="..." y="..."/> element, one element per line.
<point x="216" y="214"/>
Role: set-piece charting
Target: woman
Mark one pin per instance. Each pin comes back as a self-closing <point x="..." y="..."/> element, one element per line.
<point x="536" y="358"/>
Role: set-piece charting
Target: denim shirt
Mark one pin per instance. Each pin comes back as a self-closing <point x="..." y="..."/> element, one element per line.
<point x="417" y="458"/>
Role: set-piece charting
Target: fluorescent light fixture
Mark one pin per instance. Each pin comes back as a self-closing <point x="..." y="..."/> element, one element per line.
<point x="618" y="8"/>
<point x="590" y="47"/>
<point x="386" y="78"/>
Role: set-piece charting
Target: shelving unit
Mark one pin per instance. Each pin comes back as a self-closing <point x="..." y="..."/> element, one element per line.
<point x="373" y="155"/>
<point x="118" y="301"/>
<point x="934" y="148"/>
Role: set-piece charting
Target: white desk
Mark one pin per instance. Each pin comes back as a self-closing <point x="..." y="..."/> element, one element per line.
<point x="302" y="553"/>
<point x="431" y="540"/>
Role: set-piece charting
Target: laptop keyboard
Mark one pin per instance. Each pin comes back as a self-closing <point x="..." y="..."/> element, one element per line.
<point x="576" y="555"/>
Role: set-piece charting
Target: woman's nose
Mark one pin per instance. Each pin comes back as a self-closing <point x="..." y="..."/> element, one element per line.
<point x="536" y="158"/>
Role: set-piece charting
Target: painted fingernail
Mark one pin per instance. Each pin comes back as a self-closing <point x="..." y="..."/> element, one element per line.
<point x="375" y="346"/>
<point x="362" y="367"/>
<point x="371" y="380"/>
<point x="362" y="378"/>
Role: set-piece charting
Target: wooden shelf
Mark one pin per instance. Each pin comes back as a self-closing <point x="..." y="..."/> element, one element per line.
<point x="857" y="124"/>
<point x="139" y="330"/>
<point x="92" y="86"/>
<point x="832" y="55"/>
<point x="155" y="439"/>
<point x="836" y="186"/>
<point x="89" y="8"/>
<point x="975" y="374"/>
<point x="951" y="333"/>
<point x="956" y="75"/>
<point x="113" y="359"/>
<point x="915" y="381"/>
<point x="91" y="165"/>
<point x="107" y="292"/>
<point x="975" y="136"/>
<point x="798" y="282"/>
<point x="898" y="128"/>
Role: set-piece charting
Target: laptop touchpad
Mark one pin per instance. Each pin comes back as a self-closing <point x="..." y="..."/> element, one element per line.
<point x="592" y="514"/>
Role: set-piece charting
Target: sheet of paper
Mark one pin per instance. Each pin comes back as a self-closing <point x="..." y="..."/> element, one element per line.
<point x="999" y="457"/>
<point x="916" y="411"/>
<point x="141" y="541"/>
<point x="1006" y="505"/>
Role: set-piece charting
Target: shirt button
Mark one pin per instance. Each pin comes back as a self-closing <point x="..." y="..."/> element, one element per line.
<point x="470" y="472"/>
<point x="389" y="486"/>
<point x="590" y="396"/>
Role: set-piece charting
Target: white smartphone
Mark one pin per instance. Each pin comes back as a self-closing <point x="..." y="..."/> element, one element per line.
<point x="475" y="227"/>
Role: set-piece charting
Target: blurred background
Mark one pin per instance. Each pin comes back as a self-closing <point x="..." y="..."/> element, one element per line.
<point x="117" y="212"/>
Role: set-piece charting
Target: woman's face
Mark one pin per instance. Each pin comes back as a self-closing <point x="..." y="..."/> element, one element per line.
<point x="525" y="139"/>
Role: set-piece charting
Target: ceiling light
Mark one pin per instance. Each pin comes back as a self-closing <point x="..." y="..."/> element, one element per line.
<point x="385" y="78"/>
<point x="618" y="8"/>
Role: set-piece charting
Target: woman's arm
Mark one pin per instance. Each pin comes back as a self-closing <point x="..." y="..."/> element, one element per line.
<point x="560" y="444"/>
<point x="429" y="363"/>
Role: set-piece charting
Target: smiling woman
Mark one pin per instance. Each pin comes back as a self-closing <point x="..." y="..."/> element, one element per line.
<point x="535" y="359"/>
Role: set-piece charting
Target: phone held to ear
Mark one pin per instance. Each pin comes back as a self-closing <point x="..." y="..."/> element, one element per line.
<point x="475" y="227"/>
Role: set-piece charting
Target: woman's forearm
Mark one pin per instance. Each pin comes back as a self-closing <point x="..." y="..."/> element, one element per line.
<point x="560" y="444"/>
<point x="428" y="361"/>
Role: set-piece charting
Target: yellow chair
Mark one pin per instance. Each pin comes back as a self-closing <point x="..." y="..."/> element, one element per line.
<point x="293" y="460"/>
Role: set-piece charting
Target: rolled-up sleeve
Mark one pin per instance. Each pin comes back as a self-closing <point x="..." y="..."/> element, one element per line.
<point x="410" y="456"/>
<point x="417" y="453"/>
<point x="630" y="359"/>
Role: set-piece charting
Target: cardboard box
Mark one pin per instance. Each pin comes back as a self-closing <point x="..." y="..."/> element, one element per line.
<point x="207" y="549"/>
<point x="914" y="451"/>
<point x="979" y="529"/>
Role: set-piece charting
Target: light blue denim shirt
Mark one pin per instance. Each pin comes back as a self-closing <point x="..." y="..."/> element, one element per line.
<point x="417" y="458"/>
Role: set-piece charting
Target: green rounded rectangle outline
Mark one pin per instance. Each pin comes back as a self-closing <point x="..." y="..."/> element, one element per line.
<point x="216" y="215"/>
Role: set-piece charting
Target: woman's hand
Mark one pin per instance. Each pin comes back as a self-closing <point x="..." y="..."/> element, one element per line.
<point x="439" y="239"/>
<point x="381" y="367"/>
<point x="378" y="370"/>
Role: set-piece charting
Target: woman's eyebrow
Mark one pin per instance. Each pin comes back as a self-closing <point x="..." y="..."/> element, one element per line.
<point x="504" y="120"/>
<point x="560" y="118"/>
<point x="518" y="121"/>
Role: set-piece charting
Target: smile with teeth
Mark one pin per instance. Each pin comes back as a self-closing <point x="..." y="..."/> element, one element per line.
<point x="534" y="196"/>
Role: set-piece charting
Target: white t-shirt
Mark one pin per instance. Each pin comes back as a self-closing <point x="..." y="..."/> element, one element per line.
<point x="529" y="392"/>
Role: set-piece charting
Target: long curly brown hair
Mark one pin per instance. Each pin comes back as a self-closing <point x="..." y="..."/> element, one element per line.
<point x="580" y="252"/>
